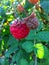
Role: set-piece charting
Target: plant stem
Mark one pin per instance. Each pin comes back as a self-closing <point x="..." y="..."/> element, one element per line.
<point x="35" y="61"/>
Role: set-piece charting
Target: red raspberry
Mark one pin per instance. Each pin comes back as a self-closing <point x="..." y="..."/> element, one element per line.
<point x="19" y="29"/>
<point x="33" y="1"/>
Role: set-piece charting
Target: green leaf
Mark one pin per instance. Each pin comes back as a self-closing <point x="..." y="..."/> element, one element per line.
<point x="2" y="11"/>
<point x="4" y="61"/>
<point x="31" y="35"/>
<point x="12" y="40"/>
<point x="46" y="53"/>
<point x="43" y="36"/>
<point x="31" y="63"/>
<point x="17" y="56"/>
<point x="28" y="46"/>
<point x="44" y="62"/>
<point x="40" y="26"/>
<point x="28" y="5"/>
<point x="12" y="49"/>
<point x="11" y="64"/>
<point x="23" y="62"/>
<point x="45" y="6"/>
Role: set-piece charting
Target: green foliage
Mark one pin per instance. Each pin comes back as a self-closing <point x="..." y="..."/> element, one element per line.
<point x="31" y="35"/>
<point x="28" y="46"/>
<point x="22" y="52"/>
<point x="23" y="62"/>
<point x="17" y="56"/>
<point x="43" y="36"/>
<point x="45" y="6"/>
<point x="13" y="46"/>
<point x="46" y="53"/>
<point x="31" y="63"/>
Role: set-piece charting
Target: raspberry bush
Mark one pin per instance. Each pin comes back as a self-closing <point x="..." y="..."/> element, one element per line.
<point x="24" y="32"/>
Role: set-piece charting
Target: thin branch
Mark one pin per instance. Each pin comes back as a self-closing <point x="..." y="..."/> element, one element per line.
<point x="35" y="62"/>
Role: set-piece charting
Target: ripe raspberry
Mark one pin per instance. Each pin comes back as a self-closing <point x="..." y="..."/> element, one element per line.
<point x="33" y="1"/>
<point x="19" y="30"/>
<point x="31" y="21"/>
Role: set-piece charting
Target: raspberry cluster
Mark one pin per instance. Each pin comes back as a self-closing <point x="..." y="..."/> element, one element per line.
<point x="21" y="28"/>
